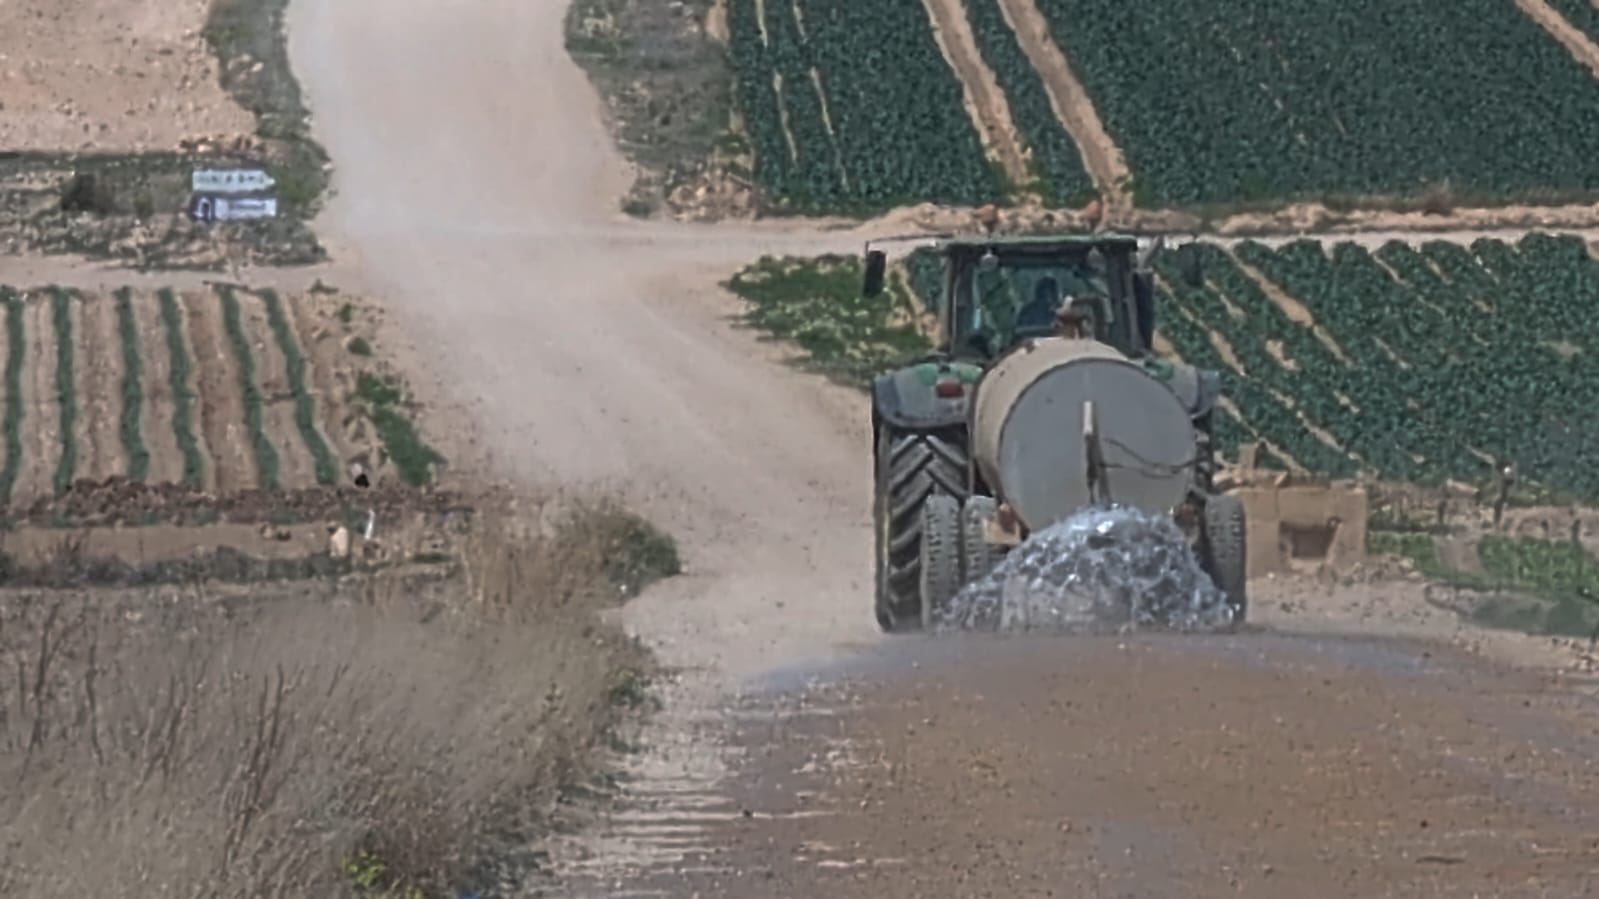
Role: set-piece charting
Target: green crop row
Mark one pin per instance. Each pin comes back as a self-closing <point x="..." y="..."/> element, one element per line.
<point x="1458" y="356"/>
<point x="385" y="402"/>
<point x="900" y="133"/>
<point x="66" y="390"/>
<point x="182" y="396"/>
<point x="1062" y="178"/>
<point x="327" y="469"/>
<point x="132" y="388"/>
<point x="16" y="351"/>
<point x="266" y="457"/>
<point x="1229" y="100"/>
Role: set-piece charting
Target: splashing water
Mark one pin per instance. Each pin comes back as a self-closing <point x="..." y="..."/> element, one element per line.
<point x="1100" y="568"/>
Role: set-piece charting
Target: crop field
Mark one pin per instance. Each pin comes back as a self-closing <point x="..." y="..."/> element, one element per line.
<point x="1415" y="364"/>
<point x="217" y="393"/>
<point x="852" y="106"/>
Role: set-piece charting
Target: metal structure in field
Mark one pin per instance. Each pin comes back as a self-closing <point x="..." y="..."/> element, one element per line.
<point x="1044" y="396"/>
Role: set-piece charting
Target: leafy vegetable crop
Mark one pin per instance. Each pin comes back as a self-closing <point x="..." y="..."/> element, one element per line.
<point x="266" y="456"/>
<point x="851" y="106"/>
<point x="1061" y="174"/>
<point x="1229" y="100"/>
<point x="1458" y="356"/>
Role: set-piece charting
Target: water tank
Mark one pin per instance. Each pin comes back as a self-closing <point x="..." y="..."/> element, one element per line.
<point x="1027" y="431"/>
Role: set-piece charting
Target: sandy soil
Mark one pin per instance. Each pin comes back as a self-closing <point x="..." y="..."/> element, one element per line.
<point x="315" y="325"/>
<point x="97" y="367"/>
<point x="296" y="468"/>
<point x="1101" y="156"/>
<point x="155" y="415"/>
<point x="109" y="75"/>
<point x="41" y="414"/>
<point x="1573" y="39"/>
<point x="219" y="406"/>
<point x="985" y="100"/>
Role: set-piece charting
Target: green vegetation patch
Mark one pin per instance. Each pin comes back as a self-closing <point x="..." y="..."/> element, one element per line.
<point x="385" y="405"/>
<point x="1457" y="356"/>
<point x="241" y="33"/>
<point x="266" y="456"/>
<point x="327" y="469"/>
<point x="66" y="389"/>
<point x="182" y="395"/>
<point x="132" y="388"/>
<point x="1526" y="584"/>
<point x="817" y="304"/>
<point x="883" y="123"/>
<point x="1275" y="107"/>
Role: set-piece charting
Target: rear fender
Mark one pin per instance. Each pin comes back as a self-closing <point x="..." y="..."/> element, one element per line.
<point x="909" y="398"/>
<point x="1196" y="388"/>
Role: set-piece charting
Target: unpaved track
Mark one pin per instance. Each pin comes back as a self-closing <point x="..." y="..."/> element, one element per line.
<point x="476" y="191"/>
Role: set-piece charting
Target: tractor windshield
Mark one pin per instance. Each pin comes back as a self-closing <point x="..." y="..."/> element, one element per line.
<point x="1019" y="298"/>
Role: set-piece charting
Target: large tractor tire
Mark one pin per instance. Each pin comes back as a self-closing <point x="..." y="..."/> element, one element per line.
<point x="940" y="562"/>
<point x="911" y="466"/>
<point x="1224" y="556"/>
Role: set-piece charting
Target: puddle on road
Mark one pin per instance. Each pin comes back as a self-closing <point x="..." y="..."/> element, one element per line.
<point x="1101" y="569"/>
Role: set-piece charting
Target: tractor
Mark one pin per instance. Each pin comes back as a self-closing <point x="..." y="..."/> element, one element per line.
<point x="1043" y="396"/>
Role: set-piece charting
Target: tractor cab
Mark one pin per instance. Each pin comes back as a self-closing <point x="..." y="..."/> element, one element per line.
<point x="999" y="291"/>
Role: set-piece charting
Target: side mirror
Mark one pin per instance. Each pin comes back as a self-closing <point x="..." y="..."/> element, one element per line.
<point x="1192" y="268"/>
<point x="876" y="266"/>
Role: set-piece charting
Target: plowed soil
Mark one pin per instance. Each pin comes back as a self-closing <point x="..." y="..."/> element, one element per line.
<point x="219" y="405"/>
<point x="97" y="366"/>
<point x="295" y="465"/>
<point x="41" y="415"/>
<point x="155" y="383"/>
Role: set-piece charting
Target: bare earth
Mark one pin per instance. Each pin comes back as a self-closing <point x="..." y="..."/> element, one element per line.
<point x="567" y="345"/>
<point x="109" y="75"/>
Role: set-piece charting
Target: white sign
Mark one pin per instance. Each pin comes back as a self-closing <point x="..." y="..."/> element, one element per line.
<point x="231" y="181"/>
<point x="225" y="209"/>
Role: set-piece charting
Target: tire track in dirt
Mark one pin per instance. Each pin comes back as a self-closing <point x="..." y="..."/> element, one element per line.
<point x="1576" y="43"/>
<point x="97" y="371"/>
<point x="296" y="467"/>
<point x="155" y="386"/>
<point x="42" y="408"/>
<point x="1075" y="109"/>
<point x="985" y="100"/>
<point x="219" y="407"/>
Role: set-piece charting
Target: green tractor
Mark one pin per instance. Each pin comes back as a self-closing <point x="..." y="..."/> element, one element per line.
<point x="1044" y="396"/>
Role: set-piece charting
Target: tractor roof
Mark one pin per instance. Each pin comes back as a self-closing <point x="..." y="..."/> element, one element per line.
<point x="1039" y="243"/>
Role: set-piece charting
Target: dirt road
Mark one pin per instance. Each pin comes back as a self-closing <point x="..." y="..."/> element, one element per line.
<point x="477" y="192"/>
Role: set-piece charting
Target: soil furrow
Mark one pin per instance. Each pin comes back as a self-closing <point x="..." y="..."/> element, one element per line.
<point x="323" y="356"/>
<point x="220" y="408"/>
<point x="97" y="370"/>
<point x="296" y="467"/>
<point x="1103" y="159"/>
<point x="1576" y="43"/>
<point x="42" y="415"/>
<point x="155" y="386"/>
<point x="985" y="100"/>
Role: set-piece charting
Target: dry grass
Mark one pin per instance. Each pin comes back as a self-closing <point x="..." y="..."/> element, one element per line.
<point x="216" y="743"/>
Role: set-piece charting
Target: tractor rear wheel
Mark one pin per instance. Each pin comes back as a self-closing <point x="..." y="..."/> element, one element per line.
<point x="911" y="467"/>
<point x="940" y="563"/>
<point x="1224" y="556"/>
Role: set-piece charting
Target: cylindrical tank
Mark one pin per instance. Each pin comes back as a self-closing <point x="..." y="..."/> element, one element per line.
<point x="1027" y="431"/>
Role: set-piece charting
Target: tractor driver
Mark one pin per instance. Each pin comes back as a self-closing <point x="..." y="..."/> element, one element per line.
<point x="1039" y="313"/>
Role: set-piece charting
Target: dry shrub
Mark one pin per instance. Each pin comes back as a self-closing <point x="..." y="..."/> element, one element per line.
<point x="199" y="744"/>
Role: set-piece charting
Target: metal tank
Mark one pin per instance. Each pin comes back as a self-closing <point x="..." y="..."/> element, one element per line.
<point x="1060" y="423"/>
